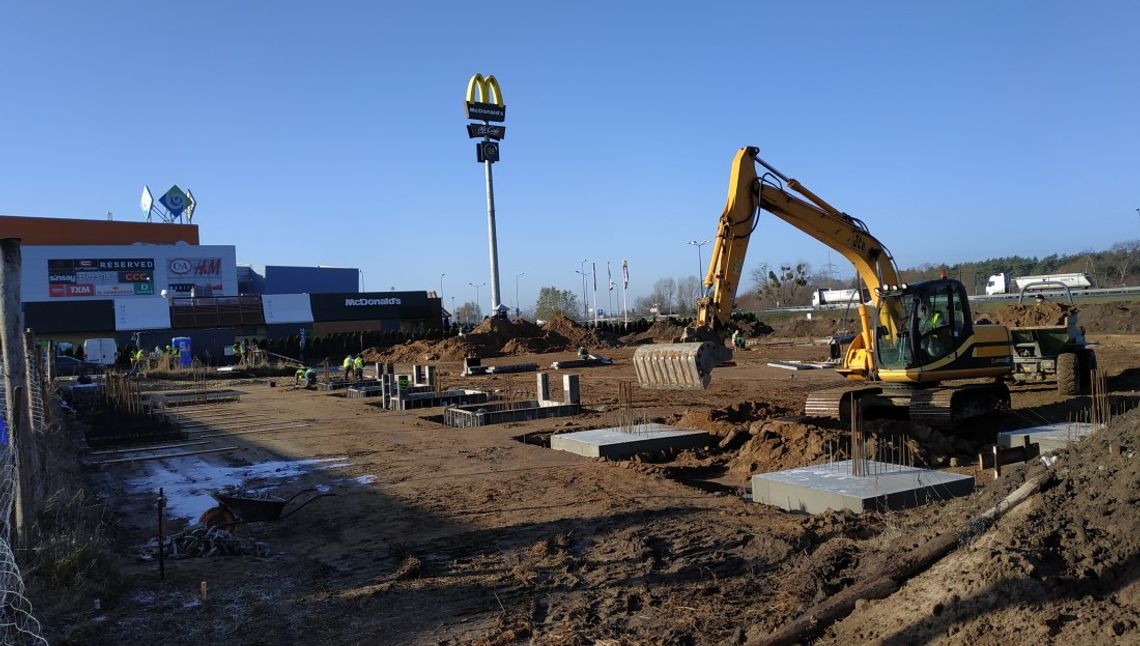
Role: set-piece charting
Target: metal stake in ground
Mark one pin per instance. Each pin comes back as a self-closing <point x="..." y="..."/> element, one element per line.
<point x="161" y="538"/>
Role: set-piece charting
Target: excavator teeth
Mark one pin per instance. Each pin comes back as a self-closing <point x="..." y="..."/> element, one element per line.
<point x="675" y="366"/>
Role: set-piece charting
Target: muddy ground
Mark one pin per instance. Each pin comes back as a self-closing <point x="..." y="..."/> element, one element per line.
<point x="454" y="536"/>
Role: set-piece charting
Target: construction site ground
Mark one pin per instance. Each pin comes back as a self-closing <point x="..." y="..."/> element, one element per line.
<point x="439" y="535"/>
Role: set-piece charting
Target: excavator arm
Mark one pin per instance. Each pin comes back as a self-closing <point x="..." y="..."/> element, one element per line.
<point x="748" y="194"/>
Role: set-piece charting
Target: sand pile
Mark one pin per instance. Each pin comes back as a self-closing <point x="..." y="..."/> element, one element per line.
<point x="1033" y="314"/>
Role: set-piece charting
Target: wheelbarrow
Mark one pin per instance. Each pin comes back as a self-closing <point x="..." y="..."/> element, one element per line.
<point x="235" y="510"/>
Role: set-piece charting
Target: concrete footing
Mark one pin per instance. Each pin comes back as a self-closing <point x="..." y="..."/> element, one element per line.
<point x="1049" y="437"/>
<point x="430" y="399"/>
<point x="191" y="397"/>
<point x="615" y="443"/>
<point x="341" y="384"/>
<point x="499" y="413"/>
<point x="818" y="488"/>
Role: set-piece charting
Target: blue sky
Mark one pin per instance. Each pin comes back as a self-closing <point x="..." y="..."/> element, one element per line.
<point x="333" y="133"/>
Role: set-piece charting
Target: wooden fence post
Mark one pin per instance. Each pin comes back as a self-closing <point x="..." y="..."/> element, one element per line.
<point x="20" y="443"/>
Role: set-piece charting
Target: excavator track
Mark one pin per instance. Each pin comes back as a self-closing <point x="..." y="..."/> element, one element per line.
<point x="835" y="403"/>
<point x="939" y="407"/>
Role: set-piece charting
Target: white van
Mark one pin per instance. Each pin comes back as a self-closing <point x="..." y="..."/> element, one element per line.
<point x="101" y="351"/>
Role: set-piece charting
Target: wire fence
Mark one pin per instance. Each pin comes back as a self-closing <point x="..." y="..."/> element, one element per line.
<point x="18" y="626"/>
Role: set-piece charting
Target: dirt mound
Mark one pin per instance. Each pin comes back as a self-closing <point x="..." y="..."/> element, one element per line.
<point x="1110" y="318"/>
<point x="753" y="328"/>
<point x="1061" y="569"/>
<point x="453" y="349"/>
<point x="1032" y="315"/>
<point x="662" y="331"/>
<point x="506" y="329"/>
<point x="814" y="328"/>
<point x="578" y="335"/>
<point x="735" y="418"/>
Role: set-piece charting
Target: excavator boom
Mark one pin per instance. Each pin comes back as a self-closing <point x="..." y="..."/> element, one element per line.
<point x="748" y="194"/>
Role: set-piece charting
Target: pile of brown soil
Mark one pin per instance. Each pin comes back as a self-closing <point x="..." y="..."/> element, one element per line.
<point x="453" y="349"/>
<point x="1033" y="314"/>
<point x="1060" y="569"/>
<point x="783" y="444"/>
<point x="662" y="331"/>
<point x="731" y="419"/>
<point x="1110" y="318"/>
<point x="498" y="337"/>
<point x="578" y="335"/>
<point x="814" y="328"/>
<point x="753" y="328"/>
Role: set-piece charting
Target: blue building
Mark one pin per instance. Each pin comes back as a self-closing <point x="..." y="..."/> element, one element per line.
<point x="281" y="279"/>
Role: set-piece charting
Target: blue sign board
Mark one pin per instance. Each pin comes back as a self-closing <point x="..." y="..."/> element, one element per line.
<point x="175" y="201"/>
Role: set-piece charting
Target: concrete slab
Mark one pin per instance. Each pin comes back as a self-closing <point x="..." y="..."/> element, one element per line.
<point x="1049" y="437"/>
<point x="818" y="488"/>
<point x="614" y="443"/>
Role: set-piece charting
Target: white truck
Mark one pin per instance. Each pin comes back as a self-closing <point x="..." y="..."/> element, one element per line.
<point x="822" y="297"/>
<point x="1002" y="284"/>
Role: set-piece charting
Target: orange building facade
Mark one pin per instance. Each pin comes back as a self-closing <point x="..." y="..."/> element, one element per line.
<point x="70" y="231"/>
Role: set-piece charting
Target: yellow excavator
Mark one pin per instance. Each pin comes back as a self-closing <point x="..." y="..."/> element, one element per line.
<point x="911" y="340"/>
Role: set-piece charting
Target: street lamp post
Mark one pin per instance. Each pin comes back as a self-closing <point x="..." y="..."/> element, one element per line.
<point x="700" y="263"/>
<point x="521" y="273"/>
<point x="582" y="273"/>
<point x="477" y="293"/>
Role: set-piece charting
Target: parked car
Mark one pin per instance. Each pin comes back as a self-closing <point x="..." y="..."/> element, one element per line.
<point x="71" y="367"/>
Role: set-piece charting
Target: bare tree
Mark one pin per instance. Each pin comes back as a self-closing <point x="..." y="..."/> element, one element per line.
<point x="689" y="289"/>
<point x="784" y="285"/>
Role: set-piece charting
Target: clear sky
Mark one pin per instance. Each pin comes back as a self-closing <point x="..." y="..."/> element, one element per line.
<point x="333" y="133"/>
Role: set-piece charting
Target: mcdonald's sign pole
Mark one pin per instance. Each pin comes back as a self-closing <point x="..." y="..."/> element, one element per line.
<point x="485" y="103"/>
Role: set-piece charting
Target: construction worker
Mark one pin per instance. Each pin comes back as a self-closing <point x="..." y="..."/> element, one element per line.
<point x="237" y="352"/>
<point x="358" y="367"/>
<point x="583" y="353"/>
<point x="299" y="377"/>
<point x="347" y="365"/>
<point x="736" y="339"/>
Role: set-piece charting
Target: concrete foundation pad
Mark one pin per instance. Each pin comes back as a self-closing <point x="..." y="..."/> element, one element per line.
<point x="615" y="443"/>
<point x="1049" y="437"/>
<point x="816" y="489"/>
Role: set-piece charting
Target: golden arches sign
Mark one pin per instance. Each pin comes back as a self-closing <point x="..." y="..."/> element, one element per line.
<point x="485" y="99"/>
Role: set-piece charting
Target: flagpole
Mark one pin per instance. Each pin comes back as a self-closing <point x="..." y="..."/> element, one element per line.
<point x="624" y="284"/>
<point x="595" y="271"/>
<point x="609" y="289"/>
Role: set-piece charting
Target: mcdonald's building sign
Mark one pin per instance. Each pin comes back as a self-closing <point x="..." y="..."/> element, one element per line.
<point x="485" y="99"/>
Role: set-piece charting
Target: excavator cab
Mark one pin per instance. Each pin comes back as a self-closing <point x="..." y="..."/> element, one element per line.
<point x="934" y="322"/>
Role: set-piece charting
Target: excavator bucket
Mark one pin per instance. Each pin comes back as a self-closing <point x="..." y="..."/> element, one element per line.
<point x="675" y="366"/>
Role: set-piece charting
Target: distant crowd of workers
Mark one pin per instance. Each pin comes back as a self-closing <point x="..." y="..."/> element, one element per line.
<point x="353" y="365"/>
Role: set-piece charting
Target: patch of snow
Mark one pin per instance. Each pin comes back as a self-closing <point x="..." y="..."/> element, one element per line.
<point x="187" y="481"/>
<point x="364" y="480"/>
